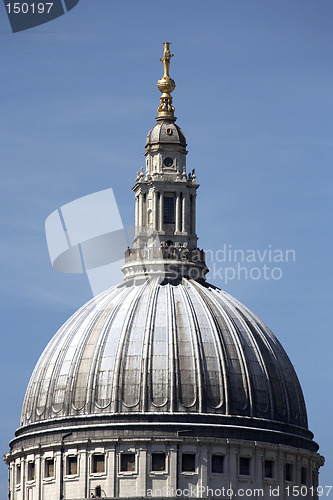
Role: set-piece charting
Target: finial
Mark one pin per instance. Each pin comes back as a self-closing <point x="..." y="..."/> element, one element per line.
<point x="166" y="59"/>
<point x="166" y="85"/>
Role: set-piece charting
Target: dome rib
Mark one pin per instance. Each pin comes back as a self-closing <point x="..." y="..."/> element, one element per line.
<point x="118" y="376"/>
<point x="101" y="331"/>
<point x="211" y="359"/>
<point x="253" y="335"/>
<point x="239" y="384"/>
<point x="41" y="369"/>
<point x="278" y="378"/>
<point x="172" y="351"/>
<point x="85" y="352"/>
<point x="59" y="356"/>
<point x="147" y="374"/>
<point x="103" y="375"/>
<point x="258" y="379"/>
<point x="197" y="348"/>
<point x="186" y="355"/>
<point x="254" y="369"/>
<point x="281" y="365"/>
<point x="96" y="374"/>
<point x="251" y="324"/>
<point x="212" y="314"/>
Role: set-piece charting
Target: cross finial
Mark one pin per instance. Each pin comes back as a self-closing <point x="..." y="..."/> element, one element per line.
<point x="166" y="59"/>
<point x="166" y="85"/>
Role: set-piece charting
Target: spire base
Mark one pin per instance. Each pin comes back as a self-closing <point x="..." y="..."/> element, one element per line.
<point x="166" y="110"/>
<point x="165" y="116"/>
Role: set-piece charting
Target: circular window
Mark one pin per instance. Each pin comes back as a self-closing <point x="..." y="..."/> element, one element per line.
<point x="168" y="161"/>
<point x="169" y="131"/>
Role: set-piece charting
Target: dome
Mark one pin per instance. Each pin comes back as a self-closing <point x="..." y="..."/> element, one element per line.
<point x="167" y="132"/>
<point x="161" y="349"/>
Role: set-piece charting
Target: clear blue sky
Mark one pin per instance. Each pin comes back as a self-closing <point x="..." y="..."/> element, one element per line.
<point x="254" y="99"/>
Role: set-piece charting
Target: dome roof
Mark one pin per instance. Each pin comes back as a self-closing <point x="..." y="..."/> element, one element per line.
<point x="163" y="349"/>
<point x="166" y="132"/>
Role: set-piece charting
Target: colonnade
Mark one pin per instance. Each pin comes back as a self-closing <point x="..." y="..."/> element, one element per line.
<point x="185" y="209"/>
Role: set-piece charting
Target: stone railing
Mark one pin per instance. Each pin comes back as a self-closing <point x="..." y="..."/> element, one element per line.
<point x="176" y="253"/>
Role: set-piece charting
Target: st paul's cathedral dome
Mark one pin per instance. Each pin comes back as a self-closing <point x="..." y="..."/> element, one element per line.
<point x="164" y="382"/>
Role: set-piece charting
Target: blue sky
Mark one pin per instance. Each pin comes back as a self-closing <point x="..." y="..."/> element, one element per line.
<point x="254" y="99"/>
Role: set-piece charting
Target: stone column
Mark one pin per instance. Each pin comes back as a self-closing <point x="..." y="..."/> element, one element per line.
<point x="57" y="471"/>
<point x="23" y="477"/>
<point x="155" y="214"/>
<point x="136" y="215"/>
<point x="203" y="471"/>
<point x="111" y="471"/>
<point x="83" y="473"/>
<point x="173" y="469"/>
<point x="160" y="224"/>
<point x="280" y="474"/>
<point x="314" y="477"/>
<point x="232" y="469"/>
<point x="140" y="212"/>
<point x="193" y="229"/>
<point x="38" y="476"/>
<point x="297" y="470"/>
<point x="258" y="468"/>
<point x="15" y="494"/>
<point x="184" y="213"/>
<point x="141" y="489"/>
<point x="11" y="480"/>
<point x="177" y="218"/>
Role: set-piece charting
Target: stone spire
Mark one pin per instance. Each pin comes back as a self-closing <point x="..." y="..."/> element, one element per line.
<point x="165" y="241"/>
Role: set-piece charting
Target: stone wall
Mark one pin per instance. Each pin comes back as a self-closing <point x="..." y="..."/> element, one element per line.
<point x="186" y="466"/>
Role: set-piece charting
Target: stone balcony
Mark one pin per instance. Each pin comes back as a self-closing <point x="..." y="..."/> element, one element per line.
<point x="171" y="263"/>
<point x="166" y="252"/>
